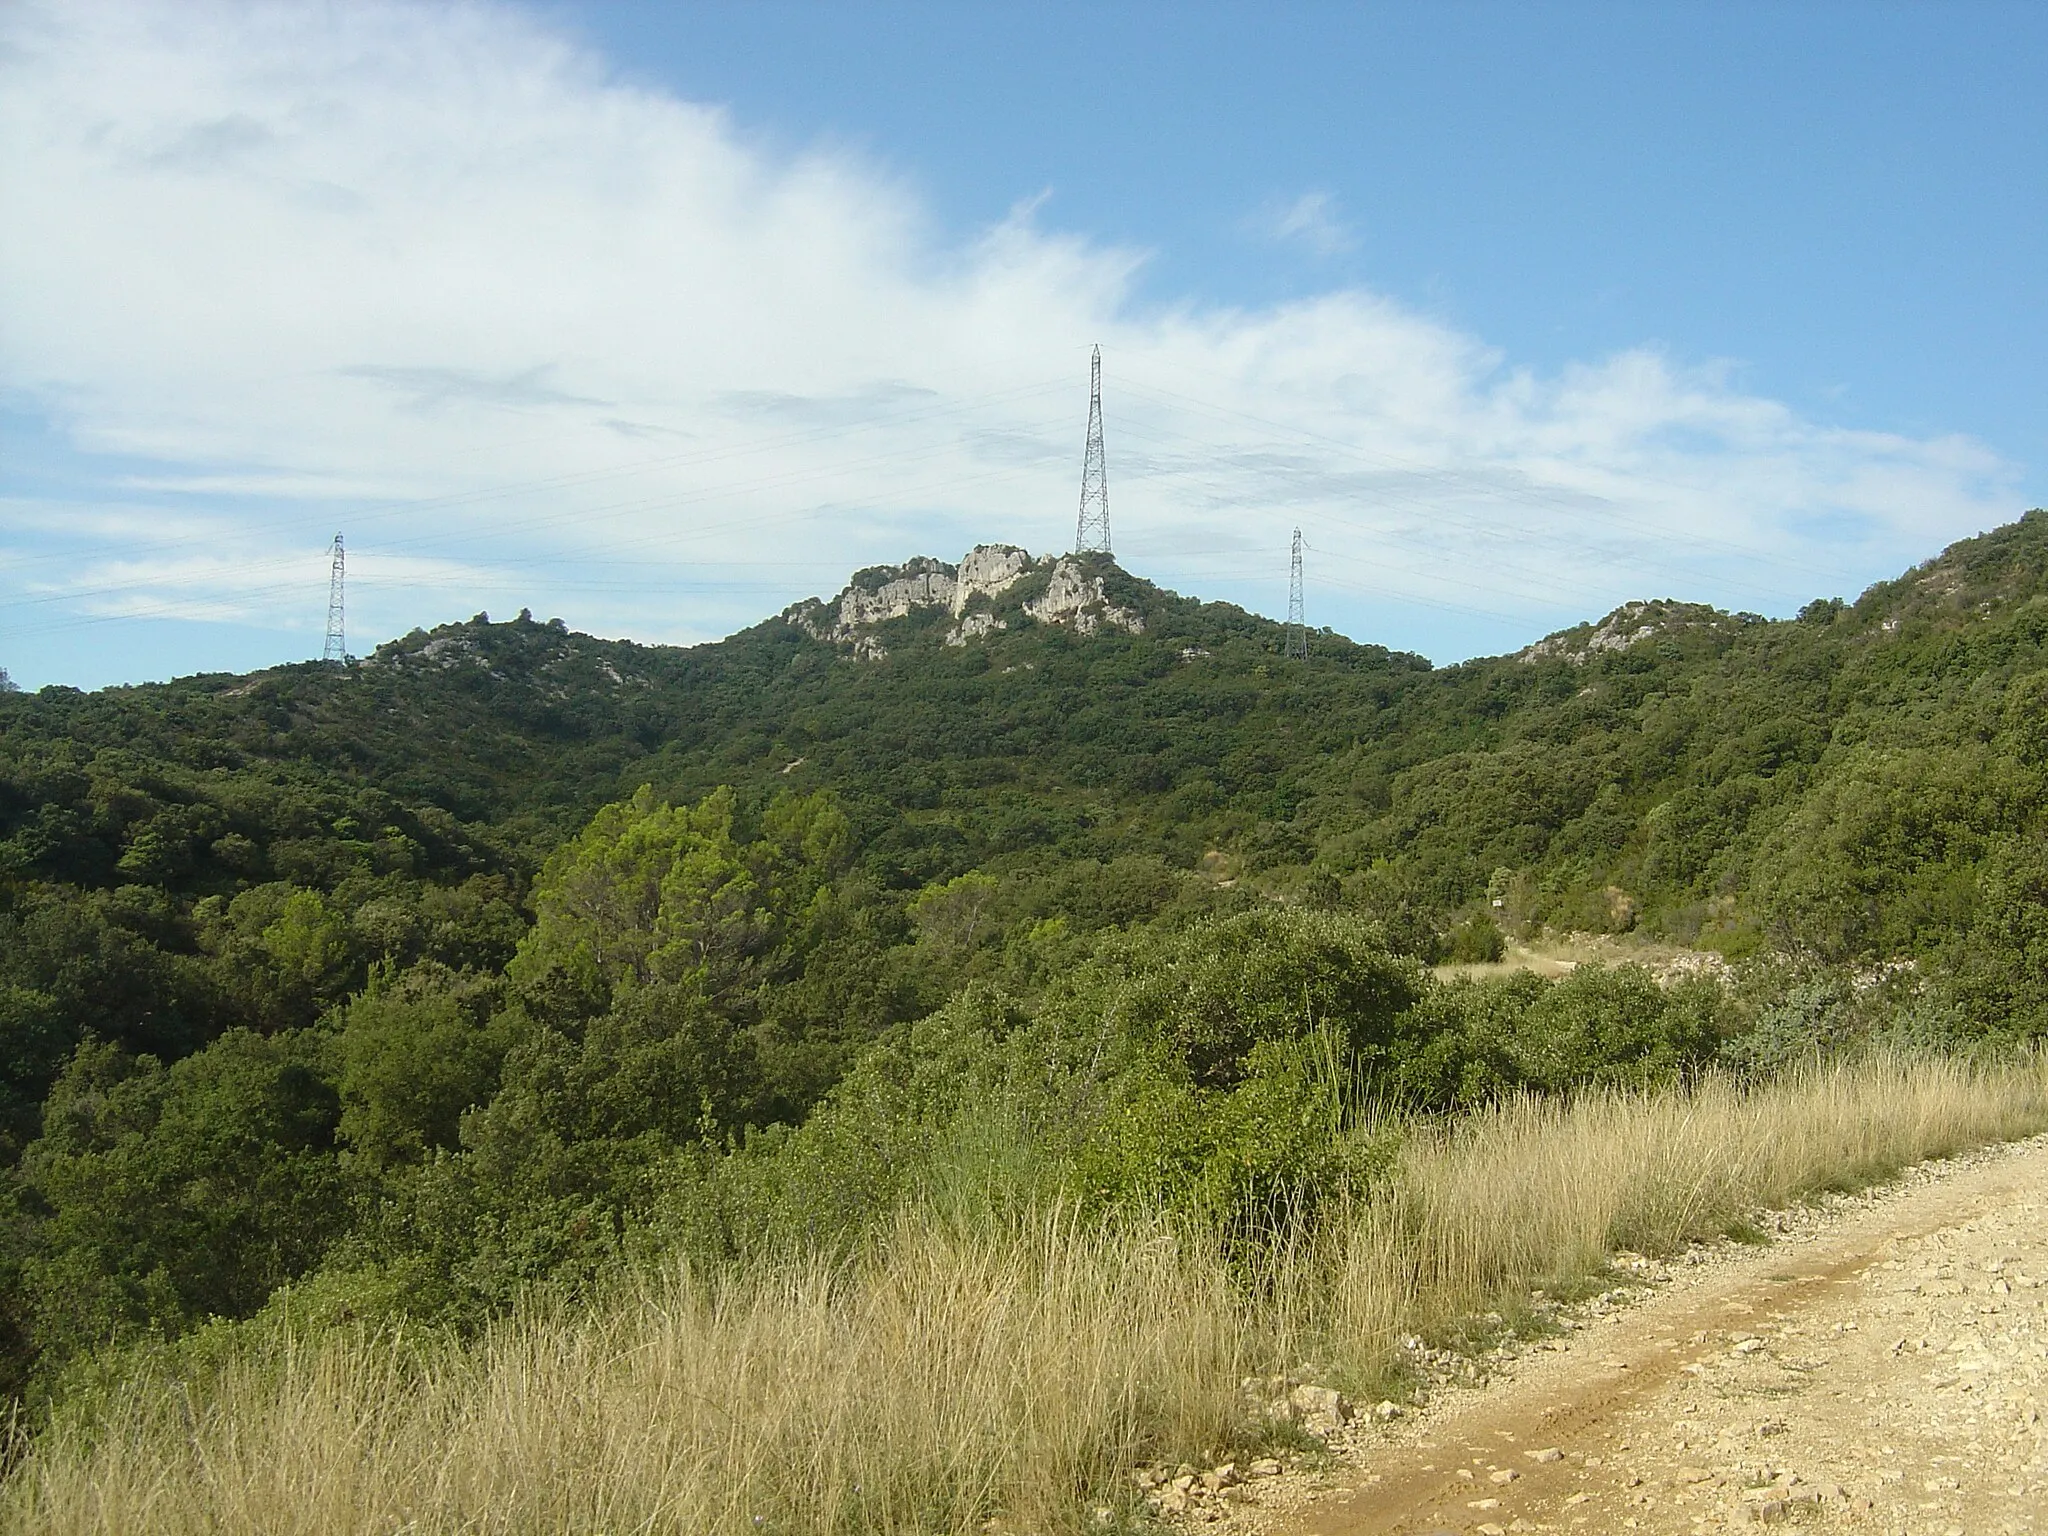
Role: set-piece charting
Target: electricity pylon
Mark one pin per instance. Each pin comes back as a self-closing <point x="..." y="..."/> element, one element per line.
<point x="1091" y="532"/>
<point x="336" y="649"/>
<point x="1297" y="621"/>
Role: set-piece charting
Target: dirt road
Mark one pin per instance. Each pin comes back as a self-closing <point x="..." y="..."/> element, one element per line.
<point x="1883" y="1368"/>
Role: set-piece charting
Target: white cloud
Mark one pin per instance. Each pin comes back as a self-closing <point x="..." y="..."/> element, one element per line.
<point x="534" y="336"/>
<point x="1310" y="221"/>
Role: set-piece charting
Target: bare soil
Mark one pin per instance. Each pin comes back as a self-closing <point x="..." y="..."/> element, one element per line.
<point x="1881" y="1365"/>
<point x="1557" y="955"/>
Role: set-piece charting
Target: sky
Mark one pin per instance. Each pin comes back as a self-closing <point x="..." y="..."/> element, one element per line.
<point x="659" y="318"/>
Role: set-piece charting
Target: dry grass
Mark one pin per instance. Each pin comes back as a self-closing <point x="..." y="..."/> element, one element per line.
<point x="1541" y="1193"/>
<point x="952" y="1376"/>
<point x="947" y="1377"/>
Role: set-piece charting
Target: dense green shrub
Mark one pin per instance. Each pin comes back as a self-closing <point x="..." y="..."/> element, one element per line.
<point x="1475" y="939"/>
<point x="1997" y="966"/>
<point x="418" y="1049"/>
<point x="1468" y="1041"/>
<point x="1814" y="1017"/>
<point x="1208" y="995"/>
<point x="169" y="1194"/>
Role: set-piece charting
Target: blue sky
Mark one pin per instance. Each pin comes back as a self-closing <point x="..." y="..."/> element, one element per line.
<point x="1849" y="200"/>
<point x="662" y="317"/>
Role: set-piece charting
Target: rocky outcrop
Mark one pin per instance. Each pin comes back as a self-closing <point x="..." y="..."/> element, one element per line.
<point x="987" y="571"/>
<point x="921" y="583"/>
<point x="1073" y="597"/>
<point x="1629" y="625"/>
<point x="972" y="627"/>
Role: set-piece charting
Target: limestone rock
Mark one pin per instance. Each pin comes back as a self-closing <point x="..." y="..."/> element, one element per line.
<point x="1319" y="1410"/>
<point x="1073" y="597"/>
<point x="922" y="583"/>
<point x="986" y="571"/>
<point x="973" y="626"/>
<point x="1630" y="624"/>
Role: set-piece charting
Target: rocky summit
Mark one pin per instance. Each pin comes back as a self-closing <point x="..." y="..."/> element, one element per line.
<point x="994" y="587"/>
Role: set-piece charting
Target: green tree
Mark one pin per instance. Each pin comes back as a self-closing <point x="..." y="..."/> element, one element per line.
<point x="169" y="1194"/>
<point x="955" y="917"/>
<point x="1998" y="967"/>
<point x="650" y="892"/>
<point x="1212" y="992"/>
<point x="418" y="1049"/>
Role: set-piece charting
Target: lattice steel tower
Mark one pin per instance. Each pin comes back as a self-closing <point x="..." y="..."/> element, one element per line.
<point x="1091" y="532"/>
<point x="337" y="649"/>
<point x="1297" y="621"/>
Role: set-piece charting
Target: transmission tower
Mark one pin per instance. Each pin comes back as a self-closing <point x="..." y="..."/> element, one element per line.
<point x="337" y="650"/>
<point x="1091" y="533"/>
<point x="1297" y="622"/>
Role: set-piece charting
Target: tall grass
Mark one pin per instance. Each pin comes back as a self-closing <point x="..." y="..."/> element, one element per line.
<point x="1537" y="1192"/>
<point x="956" y="1374"/>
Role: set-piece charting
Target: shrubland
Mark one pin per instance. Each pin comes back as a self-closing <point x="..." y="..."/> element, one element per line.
<point x="953" y="1370"/>
<point x="965" y="1064"/>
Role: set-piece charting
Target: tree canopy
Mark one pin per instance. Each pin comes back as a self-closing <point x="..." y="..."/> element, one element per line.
<point x="510" y="953"/>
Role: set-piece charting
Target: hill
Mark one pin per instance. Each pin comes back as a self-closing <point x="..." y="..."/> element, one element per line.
<point x="455" y="953"/>
<point x="1671" y="766"/>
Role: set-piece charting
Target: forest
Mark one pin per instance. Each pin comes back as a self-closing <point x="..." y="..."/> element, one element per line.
<point x="508" y="960"/>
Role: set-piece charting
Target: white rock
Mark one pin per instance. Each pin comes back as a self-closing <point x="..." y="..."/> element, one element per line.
<point x="1074" y="597"/>
<point x="1322" y="1410"/>
<point x="973" y="626"/>
<point x="986" y="570"/>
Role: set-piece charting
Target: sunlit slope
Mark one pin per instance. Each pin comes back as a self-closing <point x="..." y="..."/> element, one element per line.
<point x="1677" y="756"/>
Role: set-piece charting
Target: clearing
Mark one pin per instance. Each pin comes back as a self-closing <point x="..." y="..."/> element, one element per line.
<point x="1556" y="955"/>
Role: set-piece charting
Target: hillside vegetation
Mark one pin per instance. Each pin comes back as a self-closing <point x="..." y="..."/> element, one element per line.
<point x="510" y="966"/>
<point x="952" y="1377"/>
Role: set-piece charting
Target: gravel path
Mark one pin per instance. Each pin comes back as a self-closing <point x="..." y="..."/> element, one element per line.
<point x="1881" y="1366"/>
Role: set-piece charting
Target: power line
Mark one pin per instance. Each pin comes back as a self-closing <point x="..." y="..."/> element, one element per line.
<point x="1091" y="530"/>
<point x="582" y="517"/>
<point x="1574" y="503"/>
<point x="1094" y="497"/>
<point x="285" y="589"/>
<point x="379" y="511"/>
<point x="1588" y="555"/>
